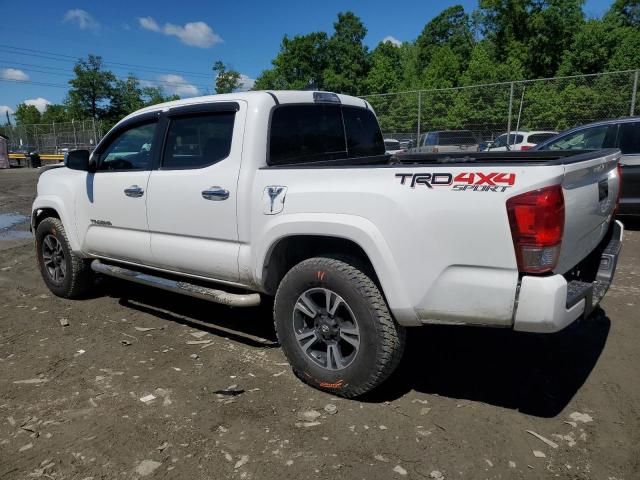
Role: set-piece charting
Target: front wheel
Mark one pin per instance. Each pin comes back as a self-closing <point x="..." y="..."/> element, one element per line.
<point x="66" y="274"/>
<point x="335" y="327"/>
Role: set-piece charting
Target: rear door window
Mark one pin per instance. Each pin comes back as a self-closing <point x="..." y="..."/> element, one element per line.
<point x="198" y="141"/>
<point x="630" y="138"/>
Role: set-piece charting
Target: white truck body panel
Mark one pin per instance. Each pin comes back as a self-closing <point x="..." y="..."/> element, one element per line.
<point x="441" y="255"/>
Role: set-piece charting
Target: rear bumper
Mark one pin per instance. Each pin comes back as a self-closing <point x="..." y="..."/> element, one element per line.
<point x="549" y="304"/>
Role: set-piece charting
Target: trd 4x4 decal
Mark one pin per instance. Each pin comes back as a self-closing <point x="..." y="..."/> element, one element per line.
<point x="474" y="181"/>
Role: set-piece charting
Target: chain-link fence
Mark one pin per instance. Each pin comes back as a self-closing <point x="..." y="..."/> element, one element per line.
<point x="53" y="137"/>
<point x="492" y="109"/>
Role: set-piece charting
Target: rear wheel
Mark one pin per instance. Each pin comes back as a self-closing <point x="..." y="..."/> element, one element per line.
<point x="65" y="273"/>
<point x="335" y="328"/>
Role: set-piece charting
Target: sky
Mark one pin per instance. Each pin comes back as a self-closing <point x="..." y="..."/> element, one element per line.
<point x="173" y="44"/>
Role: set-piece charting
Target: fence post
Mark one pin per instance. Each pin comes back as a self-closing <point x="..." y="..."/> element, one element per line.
<point x="94" y="131"/>
<point x="634" y="93"/>
<point x="55" y="138"/>
<point x="419" y="116"/>
<point x="75" y="137"/>
<point x="509" y="116"/>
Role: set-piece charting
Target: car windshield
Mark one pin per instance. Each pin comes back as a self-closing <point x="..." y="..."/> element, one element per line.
<point x="392" y="144"/>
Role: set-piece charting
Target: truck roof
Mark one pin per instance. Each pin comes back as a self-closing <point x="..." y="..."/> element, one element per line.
<point x="277" y="96"/>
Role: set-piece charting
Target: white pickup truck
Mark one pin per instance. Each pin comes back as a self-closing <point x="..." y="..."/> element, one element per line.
<point x="290" y="194"/>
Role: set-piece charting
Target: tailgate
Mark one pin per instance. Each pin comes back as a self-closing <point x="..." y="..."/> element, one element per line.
<point x="590" y="190"/>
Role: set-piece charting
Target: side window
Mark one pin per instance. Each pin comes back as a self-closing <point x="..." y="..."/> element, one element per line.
<point x="431" y="139"/>
<point x="130" y="150"/>
<point x="306" y="133"/>
<point x="364" y="138"/>
<point x="198" y="141"/>
<point x="591" y="138"/>
<point x="630" y="138"/>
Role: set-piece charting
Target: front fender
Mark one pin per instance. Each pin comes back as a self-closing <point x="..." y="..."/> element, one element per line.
<point x="65" y="213"/>
<point x="350" y="227"/>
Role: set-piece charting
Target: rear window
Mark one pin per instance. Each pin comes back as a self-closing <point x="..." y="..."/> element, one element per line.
<point x="540" y="137"/>
<point x="462" y="137"/>
<point x="392" y="144"/>
<point x="630" y="138"/>
<point x="311" y="133"/>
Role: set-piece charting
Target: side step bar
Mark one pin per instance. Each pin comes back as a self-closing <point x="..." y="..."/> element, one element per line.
<point x="185" y="288"/>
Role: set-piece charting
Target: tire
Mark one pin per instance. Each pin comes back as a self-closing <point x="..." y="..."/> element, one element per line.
<point x="362" y="344"/>
<point x="66" y="274"/>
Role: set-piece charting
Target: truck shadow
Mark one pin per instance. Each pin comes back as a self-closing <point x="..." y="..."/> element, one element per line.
<point x="535" y="374"/>
<point x="251" y="326"/>
<point x="631" y="222"/>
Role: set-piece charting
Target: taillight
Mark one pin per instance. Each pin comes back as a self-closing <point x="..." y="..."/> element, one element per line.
<point x="526" y="147"/>
<point x="537" y="224"/>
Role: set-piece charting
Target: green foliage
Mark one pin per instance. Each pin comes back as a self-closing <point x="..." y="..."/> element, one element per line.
<point x="26" y="114"/>
<point x="227" y="80"/>
<point x="55" y="114"/>
<point x="347" y="56"/>
<point x="90" y="89"/>
<point x="451" y="28"/>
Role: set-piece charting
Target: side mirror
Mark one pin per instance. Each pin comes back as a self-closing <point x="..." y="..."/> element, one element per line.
<point x="78" y="160"/>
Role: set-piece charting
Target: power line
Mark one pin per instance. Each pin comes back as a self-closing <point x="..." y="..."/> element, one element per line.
<point x="68" y="58"/>
<point x="31" y="82"/>
<point x="9" y="64"/>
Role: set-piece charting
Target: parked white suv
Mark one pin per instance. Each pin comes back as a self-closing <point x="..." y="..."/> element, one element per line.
<point x="290" y="194"/>
<point x="519" y="140"/>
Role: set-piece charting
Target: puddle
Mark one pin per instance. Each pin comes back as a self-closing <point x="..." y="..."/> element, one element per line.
<point x="14" y="235"/>
<point x="8" y="220"/>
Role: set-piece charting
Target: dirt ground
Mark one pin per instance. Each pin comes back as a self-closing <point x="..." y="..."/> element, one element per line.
<point x="224" y="403"/>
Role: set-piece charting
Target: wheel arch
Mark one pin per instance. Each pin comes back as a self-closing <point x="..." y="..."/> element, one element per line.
<point x="303" y="236"/>
<point x="50" y="206"/>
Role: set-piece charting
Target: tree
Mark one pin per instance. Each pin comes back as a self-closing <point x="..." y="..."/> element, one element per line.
<point x="452" y="28"/>
<point x="154" y="96"/>
<point x="55" y="114"/>
<point x="299" y="64"/>
<point x="90" y="89"/>
<point x="26" y="114"/>
<point x="227" y="80"/>
<point x="125" y="98"/>
<point x="347" y="61"/>
<point x="385" y="73"/>
<point x="625" y="13"/>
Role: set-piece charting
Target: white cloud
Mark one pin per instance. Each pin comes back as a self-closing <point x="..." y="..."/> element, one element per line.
<point x="246" y="83"/>
<point x="40" y="103"/>
<point x="82" y="18"/>
<point x="178" y="85"/>
<point x="148" y="23"/>
<point x="392" y="40"/>
<point x="3" y="112"/>
<point x="13" y="74"/>
<point x="196" y="34"/>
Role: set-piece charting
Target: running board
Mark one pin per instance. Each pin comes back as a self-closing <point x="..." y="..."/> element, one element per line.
<point x="185" y="288"/>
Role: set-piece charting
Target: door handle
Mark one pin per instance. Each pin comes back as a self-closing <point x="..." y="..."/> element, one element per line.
<point x="215" y="193"/>
<point x="134" y="191"/>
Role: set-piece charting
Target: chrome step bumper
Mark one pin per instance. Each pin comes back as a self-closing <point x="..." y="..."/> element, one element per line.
<point x="184" y="288"/>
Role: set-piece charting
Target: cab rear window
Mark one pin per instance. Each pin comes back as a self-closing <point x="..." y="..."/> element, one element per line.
<point x="302" y="134"/>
